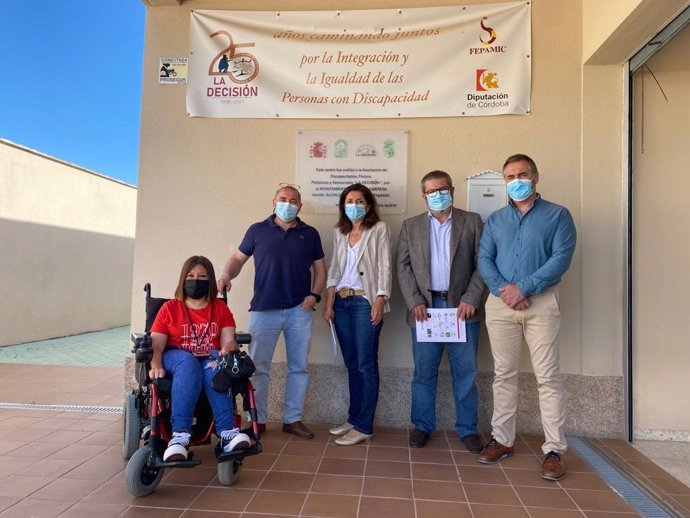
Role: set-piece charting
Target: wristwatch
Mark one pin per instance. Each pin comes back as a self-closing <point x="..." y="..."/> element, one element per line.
<point x="316" y="296"/>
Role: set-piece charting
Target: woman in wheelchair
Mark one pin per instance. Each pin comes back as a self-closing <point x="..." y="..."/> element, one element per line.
<point x="187" y="336"/>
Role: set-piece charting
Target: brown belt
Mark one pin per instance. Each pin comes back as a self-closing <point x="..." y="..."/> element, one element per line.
<point x="349" y="292"/>
<point x="442" y="294"/>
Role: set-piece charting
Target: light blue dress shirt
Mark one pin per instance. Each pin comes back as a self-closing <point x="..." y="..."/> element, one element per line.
<point x="531" y="250"/>
<point x="439" y="250"/>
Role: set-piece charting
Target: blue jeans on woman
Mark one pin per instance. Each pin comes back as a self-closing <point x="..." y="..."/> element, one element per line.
<point x="188" y="374"/>
<point x="359" y="342"/>
<point x="462" y="357"/>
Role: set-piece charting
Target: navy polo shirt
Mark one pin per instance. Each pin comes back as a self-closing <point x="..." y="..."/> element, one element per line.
<point x="282" y="262"/>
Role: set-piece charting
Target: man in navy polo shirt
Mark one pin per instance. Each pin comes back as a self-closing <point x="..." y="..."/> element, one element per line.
<point x="285" y="250"/>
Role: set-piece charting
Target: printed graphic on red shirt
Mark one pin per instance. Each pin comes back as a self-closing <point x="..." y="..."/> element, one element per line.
<point x="198" y="338"/>
<point x="194" y="330"/>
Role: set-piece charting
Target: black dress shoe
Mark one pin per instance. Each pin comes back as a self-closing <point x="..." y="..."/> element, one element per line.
<point x="473" y="443"/>
<point x="418" y="438"/>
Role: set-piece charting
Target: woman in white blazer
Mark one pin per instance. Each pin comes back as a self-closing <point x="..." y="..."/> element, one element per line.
<point x="358" y="287"/>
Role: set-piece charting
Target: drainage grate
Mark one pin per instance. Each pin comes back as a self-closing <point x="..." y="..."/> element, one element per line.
<point x="64" y="408"/>
<point x="626" y="486"/>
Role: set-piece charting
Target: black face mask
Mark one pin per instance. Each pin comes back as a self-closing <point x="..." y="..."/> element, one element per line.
<point x="196" y="288"/>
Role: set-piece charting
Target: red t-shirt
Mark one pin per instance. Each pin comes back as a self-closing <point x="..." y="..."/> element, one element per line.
<point x="194" y="330"/>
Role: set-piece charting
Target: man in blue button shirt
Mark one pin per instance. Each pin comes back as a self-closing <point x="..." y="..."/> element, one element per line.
<point x="285" y="251"/>
<point x="526" y="248"/>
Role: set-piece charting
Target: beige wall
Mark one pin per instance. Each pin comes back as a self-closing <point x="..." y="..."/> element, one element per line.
<point x="613" y="30"/>
<point x="181" y="167"/>
<point x="191" y="200"/>
<point x="661" y="253"/>
<point x="67" y="239"/>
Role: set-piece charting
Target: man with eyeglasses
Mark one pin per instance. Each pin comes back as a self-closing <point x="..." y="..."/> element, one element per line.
<point x="437" y="268"/>
<point x="526" y="248"/>
<point x="285" y="251"/>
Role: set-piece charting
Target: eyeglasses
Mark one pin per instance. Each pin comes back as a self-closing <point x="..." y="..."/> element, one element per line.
<point x="292" y="185"/>
<point x="443" y="191"/>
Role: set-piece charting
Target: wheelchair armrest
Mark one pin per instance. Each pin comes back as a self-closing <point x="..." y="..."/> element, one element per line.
<point x="243" y="338"/>
<point x="143" y="355"/>
<point x="142" y="349"/>
<point x="140" y="340"/>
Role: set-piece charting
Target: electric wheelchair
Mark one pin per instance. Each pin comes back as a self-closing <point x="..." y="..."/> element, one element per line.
<point x="147" y="428"/>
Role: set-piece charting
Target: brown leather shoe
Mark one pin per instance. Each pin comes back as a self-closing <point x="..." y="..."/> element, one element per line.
<point x="494" y="451"/>
<point x="553" y="467"/>
<point x="298" y="429"/>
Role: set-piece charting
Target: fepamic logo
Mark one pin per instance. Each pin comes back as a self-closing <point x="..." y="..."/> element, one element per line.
<point x="239" y="67"/>
<point x="487" y="37"/>
<point x="490" y="30"/>
<point x="486" y="80"/>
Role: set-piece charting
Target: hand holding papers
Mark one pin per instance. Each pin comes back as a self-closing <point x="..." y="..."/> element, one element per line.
<point x="443" y="325"/>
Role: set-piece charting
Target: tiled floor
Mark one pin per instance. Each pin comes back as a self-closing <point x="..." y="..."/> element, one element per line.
<point x="69" y="464"/>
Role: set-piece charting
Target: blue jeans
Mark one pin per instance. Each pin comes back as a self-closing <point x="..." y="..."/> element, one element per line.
<point x="188" y="374"/>
<point x="462" y="357"/>
<point x="265" y="327"/>
<point x="359" y="342"/>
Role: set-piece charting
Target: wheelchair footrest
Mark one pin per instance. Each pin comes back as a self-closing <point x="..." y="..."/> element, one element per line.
<point x="221" y="456"/>
<point x="177" y="464"/>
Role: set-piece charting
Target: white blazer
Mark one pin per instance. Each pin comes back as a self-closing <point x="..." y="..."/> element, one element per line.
<point x="373" y="261"/>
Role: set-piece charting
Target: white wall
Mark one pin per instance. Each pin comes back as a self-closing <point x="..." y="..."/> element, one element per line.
<point x="67" y="240"/>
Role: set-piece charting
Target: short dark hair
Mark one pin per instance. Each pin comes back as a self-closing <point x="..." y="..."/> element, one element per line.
<point x="289" y="188"/>
<point x="187" y="267"/>
<point x="521" y="158"/>
<point x="371" y="218"/>
<point x="436" y="175"/>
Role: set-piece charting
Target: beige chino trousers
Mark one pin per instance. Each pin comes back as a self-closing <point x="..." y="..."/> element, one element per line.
<point x="539" y="325"/>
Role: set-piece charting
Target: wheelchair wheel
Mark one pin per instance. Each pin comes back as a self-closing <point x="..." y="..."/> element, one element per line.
<point x="131" y="432"/>
<point x="229" y="472"/>
<point x="141" y="478"/>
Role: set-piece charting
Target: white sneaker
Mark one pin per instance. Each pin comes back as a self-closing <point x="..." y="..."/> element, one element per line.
<point x="234" y="440"/>
<point x="177" y="447"/>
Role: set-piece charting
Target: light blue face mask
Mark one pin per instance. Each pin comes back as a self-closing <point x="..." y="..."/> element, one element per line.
<point x="439" y="202"/>
<point x="286" y="211"/>
<point x="519" y="189"/>
<point x="355" y="211"/>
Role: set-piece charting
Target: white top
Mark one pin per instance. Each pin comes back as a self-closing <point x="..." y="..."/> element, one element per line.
<point x="351" y="277"/>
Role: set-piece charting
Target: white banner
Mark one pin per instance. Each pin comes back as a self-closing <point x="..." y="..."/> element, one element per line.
<point x="388" y="63"/>
<point x="330" y="160"/>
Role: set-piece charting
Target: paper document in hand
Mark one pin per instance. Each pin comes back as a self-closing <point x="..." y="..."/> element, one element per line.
<point x="335" y="342"/>
<point x="443" y="325"/>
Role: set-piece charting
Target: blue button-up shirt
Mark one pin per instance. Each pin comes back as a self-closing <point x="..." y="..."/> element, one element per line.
<point x="531" y="250"/>
<point x="439" y="258"/>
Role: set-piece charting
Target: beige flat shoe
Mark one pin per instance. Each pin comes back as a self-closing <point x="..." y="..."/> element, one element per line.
<point x="341" y="429"/>
<point x="351" y="438"/>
